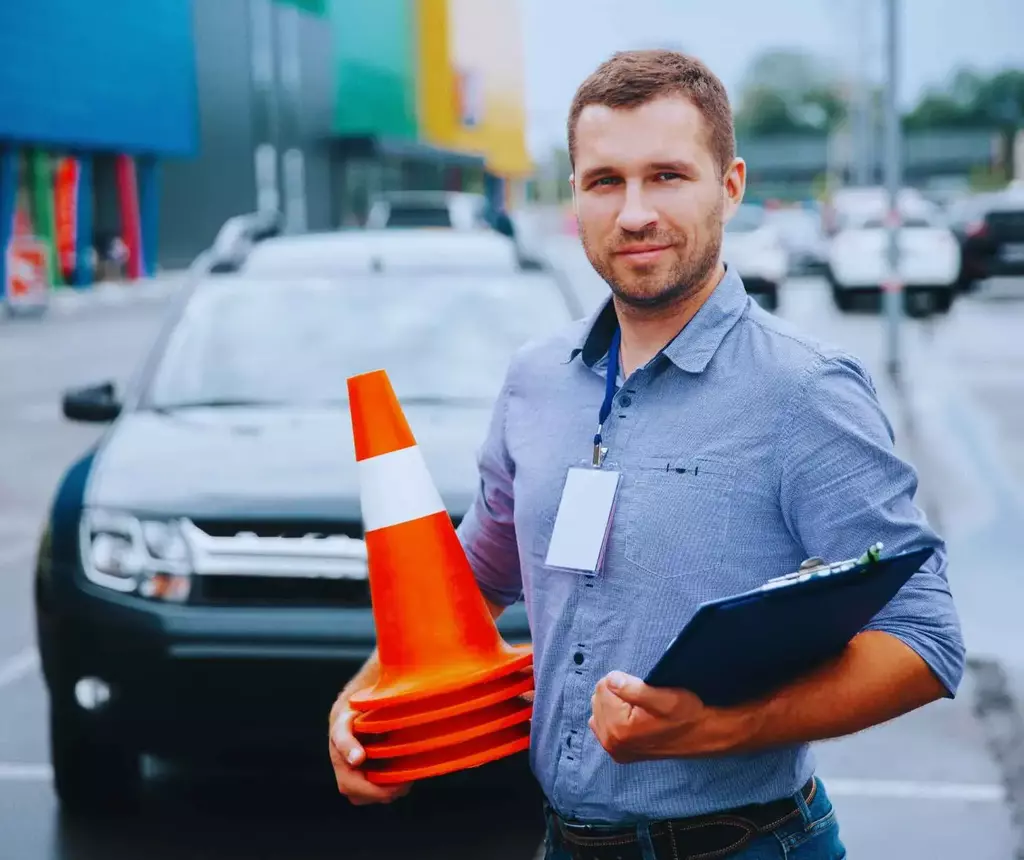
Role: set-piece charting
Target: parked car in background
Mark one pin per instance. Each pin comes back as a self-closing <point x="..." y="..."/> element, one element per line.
<point x="929" y="259"/>
<point x="756" y="251"/>
<point x="451" y="210"/>
<point x="201" y="585"/>
<point x="801" y="235"/>
<point x="990" y="231"/>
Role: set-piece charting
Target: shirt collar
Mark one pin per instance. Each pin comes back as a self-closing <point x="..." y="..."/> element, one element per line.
<point x="690" y="350"/>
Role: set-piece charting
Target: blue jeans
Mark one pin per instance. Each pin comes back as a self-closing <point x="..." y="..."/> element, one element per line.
<point x="813" y="835"/>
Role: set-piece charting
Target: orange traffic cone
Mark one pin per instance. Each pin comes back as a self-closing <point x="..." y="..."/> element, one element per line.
<point x="445" y="705"/>
<point x="441" y="655"/>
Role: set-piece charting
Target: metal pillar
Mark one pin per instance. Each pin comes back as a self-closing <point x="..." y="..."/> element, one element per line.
<point x="893" y="180"/>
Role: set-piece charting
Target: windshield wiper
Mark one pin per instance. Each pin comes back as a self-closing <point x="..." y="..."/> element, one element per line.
<point x="216" y="403"/>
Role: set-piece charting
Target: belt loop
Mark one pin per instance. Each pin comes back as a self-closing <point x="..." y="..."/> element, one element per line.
<point x="643" y="838"/>
<point x="805" y="810"/>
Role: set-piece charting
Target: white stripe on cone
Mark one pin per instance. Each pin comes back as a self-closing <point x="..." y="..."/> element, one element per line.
<point x="396" y="488"/>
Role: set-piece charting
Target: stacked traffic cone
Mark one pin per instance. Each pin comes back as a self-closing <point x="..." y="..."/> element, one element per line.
<point x="449" y="694"/>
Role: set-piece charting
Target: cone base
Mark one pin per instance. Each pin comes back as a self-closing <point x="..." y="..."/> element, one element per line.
<point x="474" y="753"/>
<point x="417" y="687"/>
<point x="445" y="706"/>
<point x="423" y="739"/>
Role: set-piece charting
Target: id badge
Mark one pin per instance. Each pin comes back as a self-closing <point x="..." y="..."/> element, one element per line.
<point x="583" y="521"/>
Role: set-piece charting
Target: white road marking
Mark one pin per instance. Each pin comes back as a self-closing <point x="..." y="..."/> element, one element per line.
<point x="17" y="667"/>
<point x="905" y="790"/>
<point x="15" y="772"/>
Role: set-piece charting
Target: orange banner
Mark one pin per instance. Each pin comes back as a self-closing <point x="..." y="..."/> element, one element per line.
<point x="65" y="187"/>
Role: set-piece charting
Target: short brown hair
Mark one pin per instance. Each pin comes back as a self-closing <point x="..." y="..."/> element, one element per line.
<point x="629" y="79"/>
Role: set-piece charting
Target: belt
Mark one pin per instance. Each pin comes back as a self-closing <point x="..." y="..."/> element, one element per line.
<point x="709" y="837"/>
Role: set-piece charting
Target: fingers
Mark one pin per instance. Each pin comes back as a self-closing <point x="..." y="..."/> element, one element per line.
<point x="343" y="738"/>
<point x="346" y="755"/>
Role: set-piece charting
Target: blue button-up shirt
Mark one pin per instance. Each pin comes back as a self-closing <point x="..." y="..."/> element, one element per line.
<point x="745" y="447"/>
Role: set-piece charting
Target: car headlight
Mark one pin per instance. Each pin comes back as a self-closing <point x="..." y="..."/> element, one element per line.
<point x="149" y="558"/>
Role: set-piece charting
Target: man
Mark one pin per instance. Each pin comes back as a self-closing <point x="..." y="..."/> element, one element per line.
<point x="742" y="447"/>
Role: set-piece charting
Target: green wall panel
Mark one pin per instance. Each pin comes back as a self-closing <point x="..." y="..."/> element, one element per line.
<point x="375" y="56"/>
<point x="314" y="7"/>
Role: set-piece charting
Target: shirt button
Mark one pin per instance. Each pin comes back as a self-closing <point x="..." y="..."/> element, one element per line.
<point x="625" y="400"/>
<point x="578" y="658"/>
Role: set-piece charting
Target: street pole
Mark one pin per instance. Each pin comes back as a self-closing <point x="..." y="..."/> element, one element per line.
<point x="864" y="155"/>
<point x="893" y="179"/>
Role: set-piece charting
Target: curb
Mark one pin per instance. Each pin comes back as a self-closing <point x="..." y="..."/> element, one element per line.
<point x="998" y="711"/>
<point x="67" y="301"/>
<point x="999" y="714"/>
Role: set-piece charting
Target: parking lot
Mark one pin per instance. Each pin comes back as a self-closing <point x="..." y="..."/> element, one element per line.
<point x="895" y="795"/>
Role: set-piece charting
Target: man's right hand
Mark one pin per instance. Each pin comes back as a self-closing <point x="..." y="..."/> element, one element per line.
<point x="346" y="757"/>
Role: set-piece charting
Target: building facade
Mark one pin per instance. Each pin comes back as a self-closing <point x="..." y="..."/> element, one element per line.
<point x="133" y="131"/>
<point x="92" y="97"/>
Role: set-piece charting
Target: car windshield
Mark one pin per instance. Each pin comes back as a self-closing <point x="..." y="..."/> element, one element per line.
<point x="418" y="216"/>
<point x="745" y="220"/>
<point x="440" y="338"/>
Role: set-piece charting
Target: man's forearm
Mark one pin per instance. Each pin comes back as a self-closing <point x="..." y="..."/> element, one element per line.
<point x="876" y="679"/>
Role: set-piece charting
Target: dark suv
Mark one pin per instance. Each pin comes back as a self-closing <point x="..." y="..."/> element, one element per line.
<point x="201" y="586"/>
<point x="990" y="229"/>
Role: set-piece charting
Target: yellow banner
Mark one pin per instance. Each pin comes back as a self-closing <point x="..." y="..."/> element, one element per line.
<point x="471" y="81"/>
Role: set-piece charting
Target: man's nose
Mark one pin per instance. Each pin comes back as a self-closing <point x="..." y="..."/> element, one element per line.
<point x="636" y="214"/>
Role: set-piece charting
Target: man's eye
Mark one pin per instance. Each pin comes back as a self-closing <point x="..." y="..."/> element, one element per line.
<point x="606" y="180"/>
<point x="668" y="177"/>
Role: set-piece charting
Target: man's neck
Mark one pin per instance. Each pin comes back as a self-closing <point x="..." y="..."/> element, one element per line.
<point x="646" y="331"/>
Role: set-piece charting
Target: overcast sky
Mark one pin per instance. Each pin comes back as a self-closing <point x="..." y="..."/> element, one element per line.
<point x="565" y="39"/>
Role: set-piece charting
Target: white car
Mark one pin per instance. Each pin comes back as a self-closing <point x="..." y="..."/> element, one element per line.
<point x="929" y="257"/>
<point x="755" y="250"/>
<point x="454" y="210"/>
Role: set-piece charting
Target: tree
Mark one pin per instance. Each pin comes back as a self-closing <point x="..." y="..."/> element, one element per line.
<point x="787" y="91"/>
<point x="971" y="100"/>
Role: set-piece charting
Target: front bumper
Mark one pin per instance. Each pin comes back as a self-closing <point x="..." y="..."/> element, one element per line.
<point x="202" y="681"/>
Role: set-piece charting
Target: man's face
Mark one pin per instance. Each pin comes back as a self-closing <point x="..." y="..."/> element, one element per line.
<point x="650" y="199"/>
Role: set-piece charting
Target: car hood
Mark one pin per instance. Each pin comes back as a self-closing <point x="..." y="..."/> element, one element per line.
<point x="239" y="462"/>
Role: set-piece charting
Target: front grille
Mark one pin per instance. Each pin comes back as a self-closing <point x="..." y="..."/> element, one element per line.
<point x="286" y="563"/>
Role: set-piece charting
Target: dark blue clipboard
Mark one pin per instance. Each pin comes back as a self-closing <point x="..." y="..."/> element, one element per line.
<point x="740" y="648"/>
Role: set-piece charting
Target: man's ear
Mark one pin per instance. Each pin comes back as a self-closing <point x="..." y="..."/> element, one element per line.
<point x="734" y="186"/>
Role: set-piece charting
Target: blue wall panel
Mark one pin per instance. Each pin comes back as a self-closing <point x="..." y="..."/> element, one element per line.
<point x="99" y="74"/>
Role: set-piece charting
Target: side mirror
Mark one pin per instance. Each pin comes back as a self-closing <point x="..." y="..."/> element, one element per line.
<point x="96" y="404"/>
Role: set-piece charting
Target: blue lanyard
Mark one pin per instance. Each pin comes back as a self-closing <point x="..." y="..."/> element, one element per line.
<point x="611" y="373"/>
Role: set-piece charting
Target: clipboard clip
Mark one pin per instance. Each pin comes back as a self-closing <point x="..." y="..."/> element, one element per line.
<point x="819" y="567"/>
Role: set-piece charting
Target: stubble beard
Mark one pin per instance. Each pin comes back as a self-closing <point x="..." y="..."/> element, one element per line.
<point x="685" y="279"/>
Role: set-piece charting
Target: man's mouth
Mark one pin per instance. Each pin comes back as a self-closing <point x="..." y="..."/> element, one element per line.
<point x="641" y="253"/>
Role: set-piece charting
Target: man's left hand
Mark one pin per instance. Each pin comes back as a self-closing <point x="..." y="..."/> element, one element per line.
<point x="636" y="722"/>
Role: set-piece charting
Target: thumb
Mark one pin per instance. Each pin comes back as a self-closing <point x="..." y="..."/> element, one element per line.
<point x="344" y="739"/>
<point x="635" y="692"/>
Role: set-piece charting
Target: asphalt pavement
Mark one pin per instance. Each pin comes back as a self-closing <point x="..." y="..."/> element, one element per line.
<point x="933" y="784"/>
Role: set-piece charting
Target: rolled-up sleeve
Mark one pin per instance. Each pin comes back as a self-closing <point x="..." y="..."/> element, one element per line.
<point x="845" y="487"/>
<point x="488" y="532"/>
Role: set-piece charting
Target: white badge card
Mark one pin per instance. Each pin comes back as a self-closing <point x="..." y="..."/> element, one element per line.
<point x="583" y="521"/>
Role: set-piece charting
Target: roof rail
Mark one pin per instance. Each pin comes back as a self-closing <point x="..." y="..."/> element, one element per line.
<point x="236" y="238"/>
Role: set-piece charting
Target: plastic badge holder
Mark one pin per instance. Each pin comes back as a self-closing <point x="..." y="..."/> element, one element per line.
<point x="740" y="648"/>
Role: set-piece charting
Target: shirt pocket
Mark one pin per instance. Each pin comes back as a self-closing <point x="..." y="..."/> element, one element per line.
<point x="678" y="520"/>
